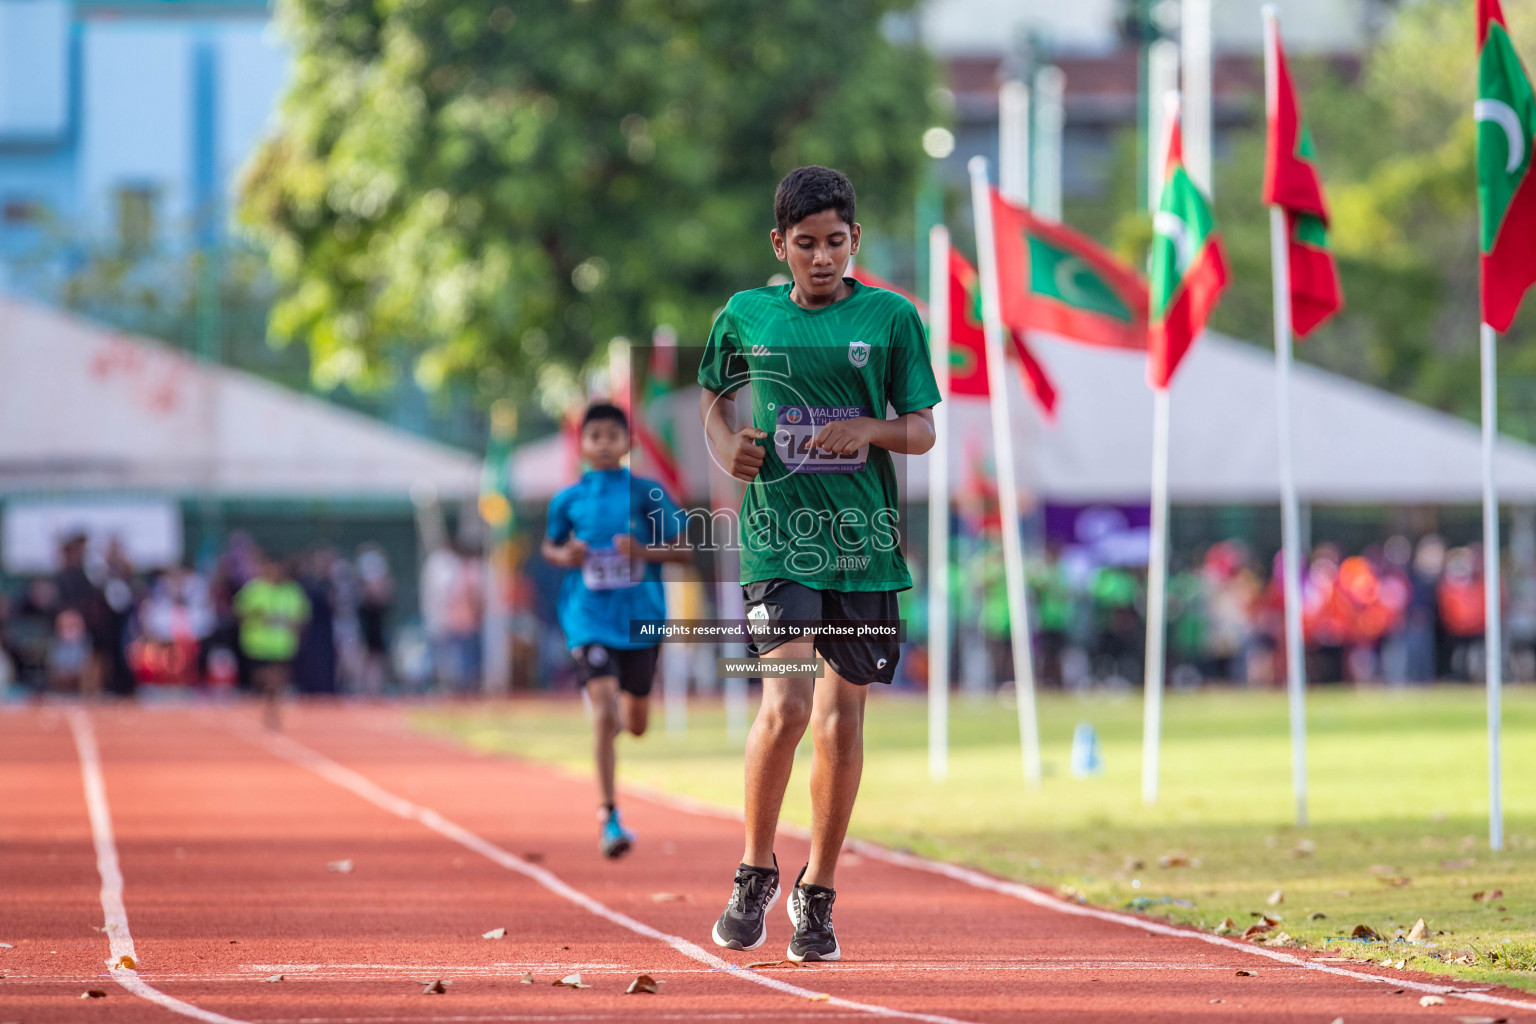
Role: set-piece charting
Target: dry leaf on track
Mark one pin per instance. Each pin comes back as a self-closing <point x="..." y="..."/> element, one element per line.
<point x="1365" y="931"/>
<point x="275" y="977"/>
<point x="436" y="988"/>
<point x="1227" y="926"/>
<point x="6" y="945"/>
<point x="822" y="998"/>
<point x="1317" y="915"/>
<point x="125" y="963"/>
<point x="1432" y="1000"/>
<point x="1276" y="898"/>
<point x="1488" y="897"/>
<point x="1246" y="974"/>
<point x="1481" y="1020"/>
<point x="671" y="897"/>
<point x="495" y="933"/>
<point x="93" y="993"/>
<point x="527" y="978"/>
<point x="642" y="983"/>
<point x="1174" y="860"/>
<point x="772" y="963"/>
<point x="1418" y="933"/>
<point x="571" y="981"/>
<point x="1279" y="939"/>
<point x="341" y="867"/>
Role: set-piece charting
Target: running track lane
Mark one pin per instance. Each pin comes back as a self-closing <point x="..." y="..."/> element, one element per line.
<point x="255" y="828"/>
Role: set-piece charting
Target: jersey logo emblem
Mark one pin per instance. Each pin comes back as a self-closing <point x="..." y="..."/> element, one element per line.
<point x="793" y="415"/>
<point x="858" y="353"/>
<point x="759" y="350"/>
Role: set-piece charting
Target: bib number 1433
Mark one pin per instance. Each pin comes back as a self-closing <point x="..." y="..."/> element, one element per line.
<point x="796" y="428"/>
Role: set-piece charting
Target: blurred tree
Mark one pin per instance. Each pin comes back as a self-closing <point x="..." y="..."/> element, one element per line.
<point x="505" y="187"/>
<point x="1396" y="148"/>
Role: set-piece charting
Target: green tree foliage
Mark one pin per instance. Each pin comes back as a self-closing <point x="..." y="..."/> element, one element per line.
<point x="506" y="186"/>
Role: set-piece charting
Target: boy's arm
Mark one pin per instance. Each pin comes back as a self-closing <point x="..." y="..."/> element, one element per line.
<point x="909" y="434"/>
<point x="568" y="554"/>
<point x="628" y="544"/>
<point x="739" y="454"/>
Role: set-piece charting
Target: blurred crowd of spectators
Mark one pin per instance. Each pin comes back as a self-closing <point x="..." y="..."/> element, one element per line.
<point x="1398" y="612"/>
<point x="321" y="619"/>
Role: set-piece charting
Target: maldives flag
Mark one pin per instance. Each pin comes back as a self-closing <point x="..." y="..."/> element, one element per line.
<point x="1506" y="129"/>
<point x="1189" y="267"/>
<point x="655" y="426"/>
<point x="967" y="338"/>
<point x="1057" y="280"/>
<point x="1291" y="182"/>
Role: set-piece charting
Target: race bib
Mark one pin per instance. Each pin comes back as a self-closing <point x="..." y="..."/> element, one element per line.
<point x="606" y="569"/>
<point x="798" y="425"/>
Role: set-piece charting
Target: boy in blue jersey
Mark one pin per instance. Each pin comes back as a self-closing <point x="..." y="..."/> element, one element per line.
<point x="612" y="530"/>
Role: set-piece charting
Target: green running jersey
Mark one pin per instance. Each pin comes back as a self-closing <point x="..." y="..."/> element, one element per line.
<point x="828" y="521"/>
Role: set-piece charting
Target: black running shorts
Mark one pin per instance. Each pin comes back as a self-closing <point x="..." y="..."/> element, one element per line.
<point x="635" y="670"/>
<point x="861" y="661"/>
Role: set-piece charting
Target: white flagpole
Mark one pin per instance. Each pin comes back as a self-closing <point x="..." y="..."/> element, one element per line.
<point x="1050" y="90"/>
<point x="1013" y="147"/>
<point x="1007" y="489"/>
<point x="1162" y="78"/>
<point x="938" y="509"/>
<point x="1157" y="607"/>
<point x="1290" y="509"/>
<point x="1195" y="41"/>
<point x="1493" y="634"/>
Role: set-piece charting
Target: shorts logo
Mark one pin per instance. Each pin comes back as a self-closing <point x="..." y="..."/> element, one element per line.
<point x="858" y="353"/>
<point x="757" y="615"/>
<point x="597" y="655"/>
<point x="880" y="664"/>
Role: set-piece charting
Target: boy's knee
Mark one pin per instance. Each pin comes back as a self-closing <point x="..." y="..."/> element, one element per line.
<point x="786" y="714"/>
<point x="838" y="730"/>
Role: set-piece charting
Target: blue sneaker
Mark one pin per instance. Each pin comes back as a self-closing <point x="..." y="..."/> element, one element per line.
<point x="616" y="839"/>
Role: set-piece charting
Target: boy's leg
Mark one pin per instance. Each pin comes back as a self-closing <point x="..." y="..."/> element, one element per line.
<point x="637" y="714"/>
<point x="837" y="728"/>
<point x="776" y="732"/>
<point x="603" y="691"/>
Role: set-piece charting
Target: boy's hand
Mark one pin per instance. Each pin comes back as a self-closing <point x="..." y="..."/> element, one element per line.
<point x="572" y="553"/>
<point x="624" y="544"/>
<point x="741" y="457"/>
<point x="844" y="437"/>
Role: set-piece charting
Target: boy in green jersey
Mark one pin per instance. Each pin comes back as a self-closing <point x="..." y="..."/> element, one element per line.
<point x="840" y="377"/>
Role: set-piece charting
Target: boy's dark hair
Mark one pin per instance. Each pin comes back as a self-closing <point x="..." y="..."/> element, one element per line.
<point x="605" y="411"/>
<point x="806" y="191"/>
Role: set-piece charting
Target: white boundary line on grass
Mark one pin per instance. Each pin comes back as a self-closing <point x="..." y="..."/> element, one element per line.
<point x="1028" y="894"/>
<point x="359" y="785"/>
<point x="116" y="924"/>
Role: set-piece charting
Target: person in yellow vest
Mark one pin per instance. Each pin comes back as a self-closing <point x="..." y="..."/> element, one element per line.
<point x="272" y="610"/>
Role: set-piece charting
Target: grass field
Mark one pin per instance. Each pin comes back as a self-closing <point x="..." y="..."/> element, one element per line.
<point x="1398" y="809"/>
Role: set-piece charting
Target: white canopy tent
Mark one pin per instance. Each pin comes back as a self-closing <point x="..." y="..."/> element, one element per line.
<point x="86" y="409"/>
<point x="1353" y="444"/>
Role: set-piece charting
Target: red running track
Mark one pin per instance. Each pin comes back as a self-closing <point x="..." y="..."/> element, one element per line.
<point x="222" y="835"/>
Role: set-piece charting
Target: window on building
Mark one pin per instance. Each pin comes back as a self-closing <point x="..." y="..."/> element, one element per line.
<point x="136" y="216"/>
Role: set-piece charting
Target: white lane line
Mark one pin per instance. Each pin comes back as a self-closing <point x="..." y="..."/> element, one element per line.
<point x="347" y="779"/>
<point x="118" y="936"/>
<point x="1018" y="890"/>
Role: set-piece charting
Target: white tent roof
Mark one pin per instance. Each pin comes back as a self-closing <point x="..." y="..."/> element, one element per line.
<point x="87" y="409"/>
<point x="1353" y="443"/>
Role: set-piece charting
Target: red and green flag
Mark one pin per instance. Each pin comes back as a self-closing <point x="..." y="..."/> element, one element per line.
<point x="1057" y="280"/>
<point x="655" y="426"/>
<point x="967" y="338"/>
<point x="1189" y="267"/>
<point x="1291" y="182"/>
<point x="1506" y="188"/>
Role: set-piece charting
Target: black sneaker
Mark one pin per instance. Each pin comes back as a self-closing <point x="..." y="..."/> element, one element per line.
<point x="744" y="925"/>
<point x="810" y="911"/>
